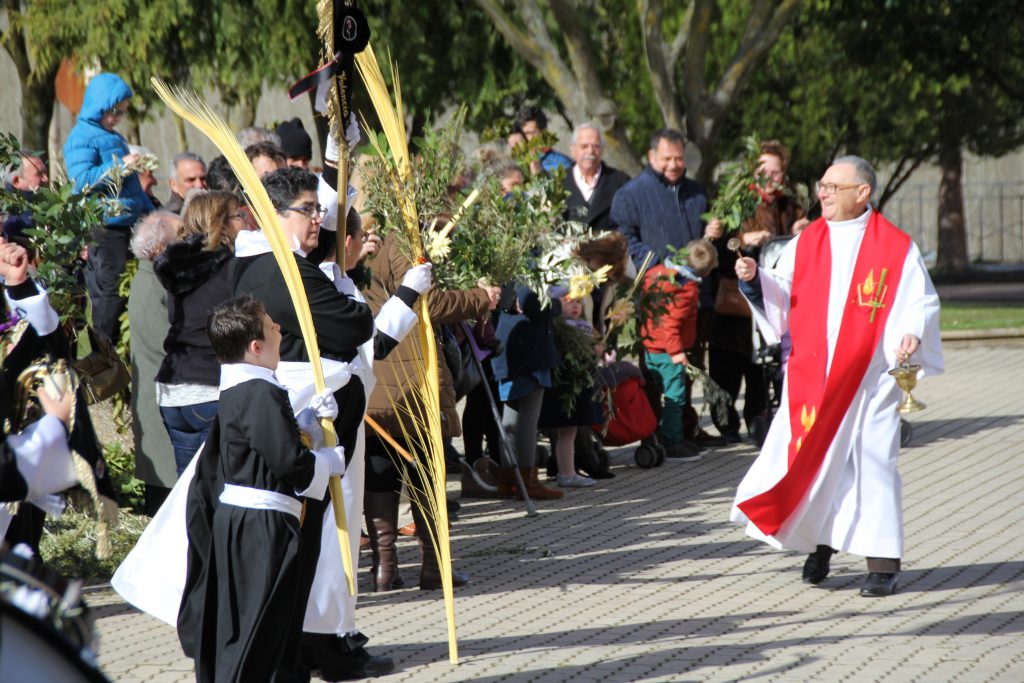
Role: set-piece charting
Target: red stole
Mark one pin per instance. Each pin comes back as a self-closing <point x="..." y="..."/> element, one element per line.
<point x="818" y="402"/>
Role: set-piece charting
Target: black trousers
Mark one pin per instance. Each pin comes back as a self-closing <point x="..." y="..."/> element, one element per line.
<point x="103" y="270"/>
<point x="478" y="421"/>
<point x="728" y="368"/>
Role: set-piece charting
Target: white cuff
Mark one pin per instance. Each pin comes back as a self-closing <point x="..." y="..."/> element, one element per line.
<point x="43" y="458"/>
<point x="328" y="461"/>
<point x="37" y="310"/>
<point x="345" y="285"/>
<point x="395" y="319"/>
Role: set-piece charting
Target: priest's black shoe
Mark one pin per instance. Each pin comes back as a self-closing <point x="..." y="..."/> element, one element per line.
<point x="878" y="585"/>
<point x="816" y="567"/>
<point x="343" y="658"/>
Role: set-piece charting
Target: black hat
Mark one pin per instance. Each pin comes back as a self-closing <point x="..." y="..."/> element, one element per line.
<point x="295" y="141"/>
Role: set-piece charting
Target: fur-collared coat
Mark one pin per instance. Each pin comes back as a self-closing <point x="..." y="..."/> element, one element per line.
<point x="196" y="280"/>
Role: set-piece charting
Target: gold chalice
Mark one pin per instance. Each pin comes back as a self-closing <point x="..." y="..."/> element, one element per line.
<point x="906" y="379"/>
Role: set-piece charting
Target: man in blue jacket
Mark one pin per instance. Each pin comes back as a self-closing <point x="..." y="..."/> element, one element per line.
<point x="661" y="208"/>
<point x="90" y="153"/>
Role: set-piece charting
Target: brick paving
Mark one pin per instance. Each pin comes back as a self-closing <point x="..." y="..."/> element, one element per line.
<point x="644" y="578"/>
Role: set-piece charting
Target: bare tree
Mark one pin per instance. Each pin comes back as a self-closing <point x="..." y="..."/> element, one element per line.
<point x="677" y="64"/>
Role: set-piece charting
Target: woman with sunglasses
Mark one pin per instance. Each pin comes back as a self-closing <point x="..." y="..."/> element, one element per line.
<point x="194" y="272"/>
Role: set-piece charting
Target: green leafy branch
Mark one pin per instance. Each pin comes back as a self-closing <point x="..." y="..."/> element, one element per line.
<point x="738" y="194"/>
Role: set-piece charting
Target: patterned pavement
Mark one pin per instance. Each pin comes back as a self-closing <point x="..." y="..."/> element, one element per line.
<point x="644" y="579"/>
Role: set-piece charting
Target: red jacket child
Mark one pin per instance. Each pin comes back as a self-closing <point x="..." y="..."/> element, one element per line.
<point x="676" y="329"/>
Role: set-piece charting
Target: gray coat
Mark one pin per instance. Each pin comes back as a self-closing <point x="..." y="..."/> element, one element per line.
<point x="147" y="317"/>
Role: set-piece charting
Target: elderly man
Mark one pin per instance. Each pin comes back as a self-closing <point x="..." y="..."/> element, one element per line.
<point x="592" y="183"/>
<point x="853" y="293"/>
<point x="147" y="318"/>
<point x="26" y="177"/>
<point x="188" y="172"/>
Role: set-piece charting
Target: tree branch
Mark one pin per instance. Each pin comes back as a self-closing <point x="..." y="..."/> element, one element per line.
<point x="516" y="37"/>
<point x="762" y="30"/>
<point x="13" y="41"/>
<point x="902" y="174"/>
<point x="679" y="42"/>
<point x="696" y="57"/>
<point x="659" y="61"/>
<point x="596" y="105"/>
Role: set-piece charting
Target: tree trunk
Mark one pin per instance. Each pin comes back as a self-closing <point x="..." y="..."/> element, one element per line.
<point x="952" y="240"/>
<point x="130" y="130"/>
<point x="179" y="132"/>
<point x="243" y="113"/>
<point x="37" y="98"/>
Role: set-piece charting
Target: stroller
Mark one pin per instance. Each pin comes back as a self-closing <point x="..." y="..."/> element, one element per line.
<point x="770" y="356"/>
<point x="631" y="417"/>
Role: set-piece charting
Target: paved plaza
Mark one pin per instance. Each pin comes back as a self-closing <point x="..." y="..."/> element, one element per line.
<point x="644" y="578"/>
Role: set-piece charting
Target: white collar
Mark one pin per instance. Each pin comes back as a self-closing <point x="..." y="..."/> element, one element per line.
<point x="254" y="243"/>
<point x="858" y="223"/>
<point x="581" y="181"/>
<point x="233" y="374"/>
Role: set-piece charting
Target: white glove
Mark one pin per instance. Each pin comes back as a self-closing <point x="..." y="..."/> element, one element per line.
<point x="352" y="137"/>
<point x="335" y="457"/>
<point x="324" y="405"/>
<point x="345" y="285"/>
<point x="332" y="153"/>
<point x="310" y="426"/>
<point x="352" y="134"/>
<point x="418" y="278"/>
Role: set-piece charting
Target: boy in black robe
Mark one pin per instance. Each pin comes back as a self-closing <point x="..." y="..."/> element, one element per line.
<point x="250" y="587"/>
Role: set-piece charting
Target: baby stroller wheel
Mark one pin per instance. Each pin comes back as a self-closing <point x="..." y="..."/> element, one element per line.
<point x="659" y="449"/>
<point x="645" y="456"/>
<point x="906" y="432"/>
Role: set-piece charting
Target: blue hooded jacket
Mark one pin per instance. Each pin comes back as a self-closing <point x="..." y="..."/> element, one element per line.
<point x="90" y="149"/>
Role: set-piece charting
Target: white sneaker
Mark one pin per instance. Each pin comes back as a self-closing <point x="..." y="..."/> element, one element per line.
<point x="575" y="481"/>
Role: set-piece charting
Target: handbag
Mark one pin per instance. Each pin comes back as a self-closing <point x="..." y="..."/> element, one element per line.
<point x="103" y="372"/>
<point x="729" y="300"/>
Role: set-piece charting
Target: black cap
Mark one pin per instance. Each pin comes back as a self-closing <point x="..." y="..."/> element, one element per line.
<point x="295" y="141"/>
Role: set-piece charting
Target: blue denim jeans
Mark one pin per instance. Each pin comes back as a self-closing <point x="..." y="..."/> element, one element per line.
<point x="188" y="426"/>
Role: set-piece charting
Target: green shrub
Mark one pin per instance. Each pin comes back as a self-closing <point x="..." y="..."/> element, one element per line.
<point x="68" y="545"/>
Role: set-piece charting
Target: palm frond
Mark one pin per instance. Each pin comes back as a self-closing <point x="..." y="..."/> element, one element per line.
<point x="423" y="402"/>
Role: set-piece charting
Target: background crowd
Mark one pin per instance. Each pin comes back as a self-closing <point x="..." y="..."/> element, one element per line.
<point x="501" y="343"/>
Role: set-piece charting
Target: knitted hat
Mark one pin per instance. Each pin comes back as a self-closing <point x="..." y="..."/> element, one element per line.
<point x="295" y="141"/>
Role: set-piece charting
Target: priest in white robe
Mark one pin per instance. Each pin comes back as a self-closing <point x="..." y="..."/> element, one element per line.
<point x="853" y="293"/>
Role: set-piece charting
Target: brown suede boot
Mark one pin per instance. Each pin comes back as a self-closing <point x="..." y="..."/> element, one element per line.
<point x="381" y="511"/>
<point x="535" y="488"/>
<point x="473" y="485"/>
<point x="506" y="483"/>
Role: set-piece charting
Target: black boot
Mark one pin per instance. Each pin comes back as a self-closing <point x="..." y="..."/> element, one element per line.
<point x="817" y="565"/>
<point x="381" y="510"/>
<point x="342" y="658"/>
<point x="430" y="571"/>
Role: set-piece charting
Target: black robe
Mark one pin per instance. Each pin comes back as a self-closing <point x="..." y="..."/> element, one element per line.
<point x="27" y="526"/>
<point x="342" y="325"/>
<point x="242" y="609"/>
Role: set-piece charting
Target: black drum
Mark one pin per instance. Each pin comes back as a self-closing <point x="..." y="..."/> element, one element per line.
<point x="46" y="630"/>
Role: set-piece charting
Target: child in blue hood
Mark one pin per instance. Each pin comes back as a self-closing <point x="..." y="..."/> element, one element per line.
<point x="91" y="150"/>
